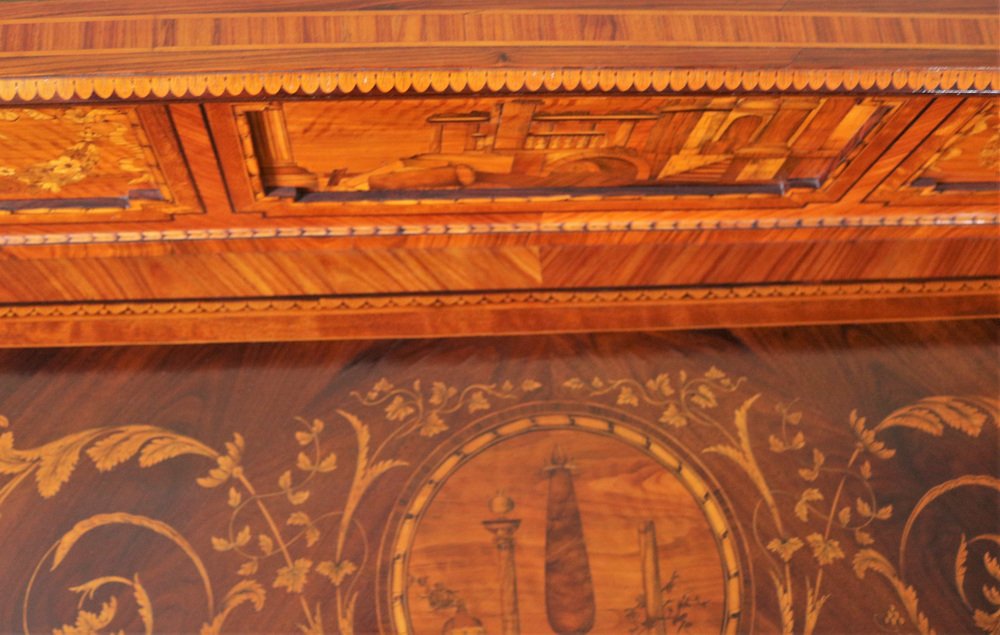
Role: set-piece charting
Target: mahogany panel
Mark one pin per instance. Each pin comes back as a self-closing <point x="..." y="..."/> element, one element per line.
<point x="807" y="480"/>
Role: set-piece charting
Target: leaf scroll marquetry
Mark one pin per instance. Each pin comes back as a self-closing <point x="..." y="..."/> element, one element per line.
<point x="288" y="542"/>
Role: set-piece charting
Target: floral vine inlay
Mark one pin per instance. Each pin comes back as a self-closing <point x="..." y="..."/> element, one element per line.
<point x="834" y="517"/>
<point x="81" y="158"/>
<point x="279" y="547"/>
<point x="825" y="516"/>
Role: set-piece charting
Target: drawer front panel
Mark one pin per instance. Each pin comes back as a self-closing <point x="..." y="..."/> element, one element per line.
<point x="560" y="152"/>
<point x="86" y="161"/>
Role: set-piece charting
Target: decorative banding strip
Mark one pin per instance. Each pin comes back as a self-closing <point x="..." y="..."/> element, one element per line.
<point x="327" y="304"/>
<point x="453" y="229"/>
<point x="238" y="85"/>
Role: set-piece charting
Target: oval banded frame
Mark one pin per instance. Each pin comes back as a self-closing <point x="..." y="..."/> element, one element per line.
<point x="607" y="425"/>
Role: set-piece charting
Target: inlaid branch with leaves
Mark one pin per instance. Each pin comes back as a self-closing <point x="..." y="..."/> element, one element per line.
<point x="836" y="503"/>
<point x="270" y="530"/>
<point x="52" y="465"/>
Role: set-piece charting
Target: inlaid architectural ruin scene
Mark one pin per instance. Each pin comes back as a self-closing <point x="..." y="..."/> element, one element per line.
<point x="752" y="149"/>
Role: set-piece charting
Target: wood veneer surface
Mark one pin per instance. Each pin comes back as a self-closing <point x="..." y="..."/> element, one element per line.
<point x="743" y="448"/>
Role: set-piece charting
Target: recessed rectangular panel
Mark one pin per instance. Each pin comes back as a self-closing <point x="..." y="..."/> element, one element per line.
<point x="83" y="160"/>
<point x="558" y="151"/>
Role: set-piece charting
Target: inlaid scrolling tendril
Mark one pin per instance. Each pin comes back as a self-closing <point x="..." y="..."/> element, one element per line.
<point x="830" y="520"/>
<point x="253" y="532"/>
<point x="53" y="463"/>
<point x="823" y="504"/>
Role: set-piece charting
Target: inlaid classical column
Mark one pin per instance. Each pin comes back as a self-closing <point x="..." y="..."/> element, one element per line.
<point x="273" y="146"/>
<point x="651" y="587"/>
<point x="503" y="530"/>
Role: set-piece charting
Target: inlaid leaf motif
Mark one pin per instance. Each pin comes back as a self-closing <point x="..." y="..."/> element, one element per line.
<point x="731" y="453"/>
<point x="312" y="535"/>
<point x="992" y="594"/>
<point x="825" y="550"/>
<point x="811" y="474"/>
<point x="785" y="604"/>
<point x="293" y="577"/>
<point x="844" y="516"/>
<point x="82" y="528"/>
<point x="303" y="437"/>
<point x="328" y="463"/>
<point x="715" y="373"/>
<point x="336" y="572"/>
<point x="119" y="446"/>
<point x="299" y="518"/>
<point x="933" y="414"/>
<point x="248" y="568"/>
<point x="156" y="444"/>
<point x="866" y="438"/>
<point x="802" y="506"/>
<point x="705" y="397"/>
<point x="398" y="409"/>
<point x="660" y="384"/>
<point x="243" y="592"/>
<point x="12" y="461"/>
<point x="785" y="548"/>
<point x="987" y="622"/>
<point x="227" y="464"/>
<point x="88" y="623"/>
<point x="303" y="462"/>
<point x="243" y="537"/>
<point x="168" y="446"/>
<point x="143" y="603"/>
<point x="381" y="386"/>
<point x="862" y="537"/>
<point x="478" y="401"/>
<point x="530" y="385"/>
<point x="779" y="445"/>
<point x="992" y="566"/>
<point x="961" y="560"/>
<point x="864" y="509"/>
<point x="432" y="425"/>
<point x="285" y="480"/>
<point x="866" y="470"/>
<point x="266" y="544"/>
<point x="364" y="474"/>
<point x="627" y="397"/>
<point x="870" y="560"/>
<point x="57" y="460"/>
<point x="673" y="417"/>
<point x="441" y="393"/>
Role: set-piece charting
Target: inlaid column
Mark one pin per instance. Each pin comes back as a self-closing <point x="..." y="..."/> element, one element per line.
<point x="651" y="587"/>
<point x="273" y="146"/>
<point x="503" y="530"/>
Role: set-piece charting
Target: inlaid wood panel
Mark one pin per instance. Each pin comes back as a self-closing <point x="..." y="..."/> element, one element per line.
<point x="113" y="163"/>
<point x="711" y="157"/>
<point x="958" y="163"/>
<point x="806" y="480"/>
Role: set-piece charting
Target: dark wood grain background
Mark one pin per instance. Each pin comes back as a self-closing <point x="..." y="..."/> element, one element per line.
<point x="210" y="393"/>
